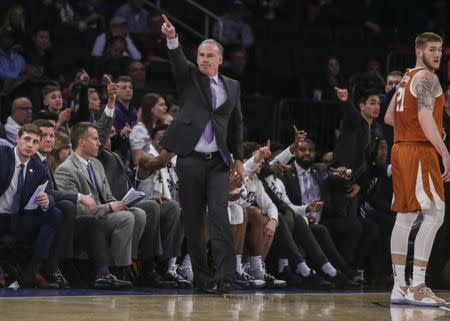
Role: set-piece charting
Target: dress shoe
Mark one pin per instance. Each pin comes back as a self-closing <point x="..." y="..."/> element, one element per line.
<point x="224" y="287"/>
<point x="342" y="282"/>
<point x="110" y="282"/>
<point x="290" y="277"/>
<point x="38" y="280"/>
<point x="59" y="278"/>
<point x="2" y="281"/>
<point x="316" y="282"/>
<point x="155" y="280"/>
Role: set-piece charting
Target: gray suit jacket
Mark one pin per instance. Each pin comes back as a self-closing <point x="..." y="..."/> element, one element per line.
<point x="194" y="90"/>
<point x="72" y="176"/>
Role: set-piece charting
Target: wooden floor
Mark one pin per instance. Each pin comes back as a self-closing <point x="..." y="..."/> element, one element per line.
<point x="259" y="306"/>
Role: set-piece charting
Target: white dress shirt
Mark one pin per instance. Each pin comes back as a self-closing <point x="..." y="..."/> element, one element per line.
<point x="6" y="200"/>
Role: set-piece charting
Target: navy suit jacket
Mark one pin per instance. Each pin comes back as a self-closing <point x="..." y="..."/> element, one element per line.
<point x="36" y="175"/>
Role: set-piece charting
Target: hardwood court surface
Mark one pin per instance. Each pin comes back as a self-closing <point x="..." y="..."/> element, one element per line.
<point x="255" y="306"/>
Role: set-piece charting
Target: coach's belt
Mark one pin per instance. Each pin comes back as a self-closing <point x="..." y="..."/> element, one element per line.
<point x="206" y="155"/>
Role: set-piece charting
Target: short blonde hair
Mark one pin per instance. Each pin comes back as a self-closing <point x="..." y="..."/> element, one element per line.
<point x="424" y="38"/>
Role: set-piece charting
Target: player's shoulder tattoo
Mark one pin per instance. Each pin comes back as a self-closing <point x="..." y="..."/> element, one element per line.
<point x="426" y="89"/>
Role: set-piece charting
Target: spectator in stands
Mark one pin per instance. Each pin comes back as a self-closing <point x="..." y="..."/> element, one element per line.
<point x="392" y="80"/>
<point x="39" y="225"/>
<point x="372" y="78"/>
<point x="272" y="10"/>
<point x="114" y="62"/>
<point x="232" y="29"/>
<point x="152" y="111"/>
<point x="15" y="19"/>
<point x="238" y="69"/>
<point x="333" y="77"/>
<point x="60" y="152"/>
<point x="119" y="28"/>
<point x="21" y="114"/>
<point x="53" y="103"/>
<point x="137" y="73"/>
<point x="135" y="15"/>
<point x="42" y="13"/>
<point x="12" y="64"/>
<point x="81" y="15"/>
<point x="40" y="52"/>
<point x="173" y="107"/>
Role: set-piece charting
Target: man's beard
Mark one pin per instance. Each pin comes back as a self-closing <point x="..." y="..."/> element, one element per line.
<point x="304" y="163"/>
<point x="429" y="64"/>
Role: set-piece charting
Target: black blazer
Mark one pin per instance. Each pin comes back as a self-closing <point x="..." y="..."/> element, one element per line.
<point x="195" y="93"/>
<point x="36" y="175"/>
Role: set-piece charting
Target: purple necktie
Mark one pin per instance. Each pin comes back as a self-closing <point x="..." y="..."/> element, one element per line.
<point x="209" y="131"/>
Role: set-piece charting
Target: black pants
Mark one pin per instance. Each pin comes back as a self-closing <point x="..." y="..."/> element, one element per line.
<point x="284" y="246"/>
<point x="204" y="182"/>
<point x="63" y="245"/>
<point x="345" y="230"/>
<point x="34" y="227"/>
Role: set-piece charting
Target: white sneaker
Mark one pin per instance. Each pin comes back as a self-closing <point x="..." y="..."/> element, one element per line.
<point x="422" y="295"/>
<point x="186" y="272"/>
<point x="398" y="294"/>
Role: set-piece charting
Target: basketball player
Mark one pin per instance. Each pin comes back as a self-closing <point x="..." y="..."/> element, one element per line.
<point x="415" y="112"/>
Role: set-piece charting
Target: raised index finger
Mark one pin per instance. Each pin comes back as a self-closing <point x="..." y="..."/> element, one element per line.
<point x="107" y="79"/>
<point x="166" y="20"/>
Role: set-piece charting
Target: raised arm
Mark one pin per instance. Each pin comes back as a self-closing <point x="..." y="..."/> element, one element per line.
<point x="390" y="113"/>
<point x="427" y="87"/>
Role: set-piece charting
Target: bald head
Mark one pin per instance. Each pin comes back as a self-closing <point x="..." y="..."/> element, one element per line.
<point x="22" y="110"/>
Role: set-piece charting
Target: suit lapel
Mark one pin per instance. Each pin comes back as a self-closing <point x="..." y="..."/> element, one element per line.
<point x="202" y="83"/>
<point x="98" y="179"/>
<point x="79" y="166"/>
<point x="294" y="177"/>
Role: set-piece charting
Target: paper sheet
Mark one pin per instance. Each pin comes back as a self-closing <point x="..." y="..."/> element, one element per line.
<point x="132" y="197"/>
<point x="31" y="203"/>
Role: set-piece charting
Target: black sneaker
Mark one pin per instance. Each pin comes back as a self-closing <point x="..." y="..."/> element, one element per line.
<point x="271" y="281"/>
<point x="181" y="282"/>
<point x="58" y="278"/>
<point x="246" y="281"/>
<point x="111" y="282"/>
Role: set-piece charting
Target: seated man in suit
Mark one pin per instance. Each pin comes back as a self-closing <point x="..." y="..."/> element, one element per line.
<point x="76" y="231"/>
<point x="21" y="175"/>
<point x="83" y="173"/>
<point x="307" y="187"/>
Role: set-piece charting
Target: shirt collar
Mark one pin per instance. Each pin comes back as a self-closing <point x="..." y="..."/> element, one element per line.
<point x="82" y="160"/>
<point x="216" y="79"/>
<point x="300" y="170"/>
<point x="18" y="162"/>
<point x="41" y="156"/>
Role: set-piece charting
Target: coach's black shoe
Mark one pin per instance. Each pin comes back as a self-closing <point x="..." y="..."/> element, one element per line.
<point x="155" y="280"/>
<point x="290" y="277"/>
<point x="316" y="282"/>
<point x="341" y="282"/>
